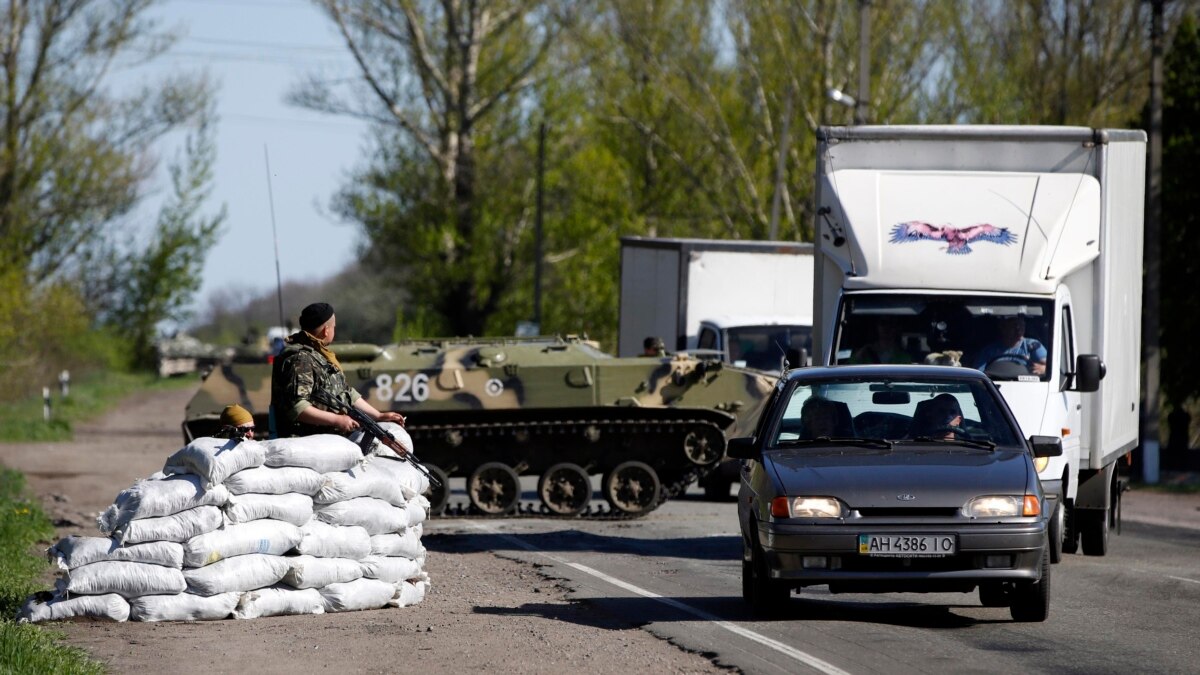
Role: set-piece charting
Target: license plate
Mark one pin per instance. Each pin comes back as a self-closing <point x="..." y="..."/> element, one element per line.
<point x="906" y="545"/>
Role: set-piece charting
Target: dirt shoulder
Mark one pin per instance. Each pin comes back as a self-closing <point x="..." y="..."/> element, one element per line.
<point x="484" y="612"/>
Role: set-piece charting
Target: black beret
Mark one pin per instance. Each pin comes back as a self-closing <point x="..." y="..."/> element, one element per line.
<point x="315" y="315"/>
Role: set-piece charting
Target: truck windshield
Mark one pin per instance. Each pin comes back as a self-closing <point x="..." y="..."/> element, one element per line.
<point x="763" y="347"/>
<point x="1007" y="338"/>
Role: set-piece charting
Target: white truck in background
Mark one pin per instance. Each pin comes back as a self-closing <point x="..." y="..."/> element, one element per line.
<point x="749" y="300"/>
<point x="929" y="237"/>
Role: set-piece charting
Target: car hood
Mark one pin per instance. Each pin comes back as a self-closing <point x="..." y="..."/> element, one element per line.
<point x="927" y="477"/>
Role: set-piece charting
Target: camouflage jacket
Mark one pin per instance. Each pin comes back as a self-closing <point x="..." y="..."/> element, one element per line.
<point x="297" y="371"/>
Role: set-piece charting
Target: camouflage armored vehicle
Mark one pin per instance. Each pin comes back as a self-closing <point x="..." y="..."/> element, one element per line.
<point x="490" y="410"/>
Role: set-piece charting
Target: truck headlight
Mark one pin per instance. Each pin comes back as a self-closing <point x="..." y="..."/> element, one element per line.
<point x="1040" y="463"/>
<point x="806" y="507"/>
<point x="993" y="506"/>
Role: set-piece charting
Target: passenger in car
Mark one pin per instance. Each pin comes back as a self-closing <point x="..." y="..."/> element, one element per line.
<point x="821" y="417"/>
<point x="937" y="418"/>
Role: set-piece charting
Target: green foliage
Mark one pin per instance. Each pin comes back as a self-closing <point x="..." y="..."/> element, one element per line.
<point x="30" y="649"/>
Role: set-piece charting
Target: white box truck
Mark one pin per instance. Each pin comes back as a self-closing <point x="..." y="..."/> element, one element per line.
<point x="749" y="300"/>
<point x="1015" y="250"/>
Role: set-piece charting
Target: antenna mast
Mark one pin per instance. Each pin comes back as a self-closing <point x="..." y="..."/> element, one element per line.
<point x="274" y="235"/>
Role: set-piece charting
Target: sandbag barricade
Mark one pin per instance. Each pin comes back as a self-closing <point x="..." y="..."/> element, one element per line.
<point x="249" y="529"/>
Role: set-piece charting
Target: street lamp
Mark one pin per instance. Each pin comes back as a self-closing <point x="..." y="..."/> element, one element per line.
<point x="838" y="96"/>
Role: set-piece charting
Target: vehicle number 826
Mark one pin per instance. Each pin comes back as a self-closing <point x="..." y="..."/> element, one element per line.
<point x="402" y="387"/>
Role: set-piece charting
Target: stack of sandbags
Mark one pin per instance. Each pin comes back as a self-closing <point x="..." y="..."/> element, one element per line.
<point x="229" y="529"/>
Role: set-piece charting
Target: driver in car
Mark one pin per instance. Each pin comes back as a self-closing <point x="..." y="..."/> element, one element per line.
<point x="941" y="418"/>
<point x="1012" y="345"/>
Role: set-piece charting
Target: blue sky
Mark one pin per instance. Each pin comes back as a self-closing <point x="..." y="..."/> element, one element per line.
<point x="256" y="51"/>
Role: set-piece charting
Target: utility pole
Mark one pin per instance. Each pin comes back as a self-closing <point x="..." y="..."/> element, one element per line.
<point x="863" y="102"/>
<point x="1152" y="250"/>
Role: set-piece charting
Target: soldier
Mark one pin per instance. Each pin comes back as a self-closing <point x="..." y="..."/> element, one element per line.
<point x="653" y="346"/>
<point x="236" y="422"/>
<point x="306" y="364"/>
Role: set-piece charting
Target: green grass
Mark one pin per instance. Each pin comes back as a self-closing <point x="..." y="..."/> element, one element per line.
<point x="23" y="529"/>
<point x="23" y="421"/>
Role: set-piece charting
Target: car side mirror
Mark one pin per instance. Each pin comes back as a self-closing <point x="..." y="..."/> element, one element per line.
<point x="1046" y="446"/>
<point x="742" y="448"/>
<point x="1089" y="370"/>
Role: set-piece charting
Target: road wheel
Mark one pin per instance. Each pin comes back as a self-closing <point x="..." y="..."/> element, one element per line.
<point x="565" y="489"/>
<point x="632" y="488"/>
<point x="1093" y="530"/>
<point x="994" y="594"/>
<point x="1056" y="533"/>
<point x="494" y="488"/>
<point x="703" y="445"/>
<point x="438" y="496"/>
<point x="766" y="596"/>
<point x="1031" y="599"/>
<point x="1070" y="527"/>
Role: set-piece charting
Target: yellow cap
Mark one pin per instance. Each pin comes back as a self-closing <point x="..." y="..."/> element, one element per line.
<point x="236" y="416"/>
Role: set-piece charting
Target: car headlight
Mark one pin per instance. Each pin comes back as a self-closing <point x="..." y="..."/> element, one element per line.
<point x="806" y="507"/>
<point x="1040" y="463"/>
<point x="992" y="506"/>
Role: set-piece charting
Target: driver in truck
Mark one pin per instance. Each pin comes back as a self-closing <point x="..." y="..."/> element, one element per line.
<point x="1012" y="345"/>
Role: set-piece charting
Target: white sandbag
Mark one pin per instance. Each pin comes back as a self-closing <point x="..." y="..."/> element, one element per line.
<point x="323" y="540"/>
<point x="279" y="601"/>
<point x="374" y="515"/>
<point x="272" y="537"/>
<point x="405" y="543"/>
<point x="240" y="573"/>
<point x="311" y="572"/>
<point x="393" y="569"/>
<point x="127" y="579"/>
<point x="39" y="608"/>
<point x="155" y="498"/>
<point x="322" y="453"/>
<point x="74" y="551"/>
<point x="418" y="510"/>
<point x="356" y="595"/>
<point x="183" y="607"/>
<point x="215" y="459"/>
<point x="271" y="480"/>
<point x="409" y="593"/>
<point x="178" y="527"/>
<point x="292" y="507"/>
<point x="407" y="474"/>
<point x="371" y="479"/>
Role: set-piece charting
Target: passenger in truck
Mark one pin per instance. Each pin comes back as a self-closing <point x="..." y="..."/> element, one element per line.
<point x="1012" y="345"/>
<point x="885" y="348"/>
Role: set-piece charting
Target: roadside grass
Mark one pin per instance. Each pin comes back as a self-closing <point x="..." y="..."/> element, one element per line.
<point x="23" y="421"/>
<point x="23" y="527"/>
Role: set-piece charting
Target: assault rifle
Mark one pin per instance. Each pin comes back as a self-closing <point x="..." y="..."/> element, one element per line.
<point x="372" y="430"/>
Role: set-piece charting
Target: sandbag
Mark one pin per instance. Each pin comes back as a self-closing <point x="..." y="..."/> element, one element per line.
<point x="371" y="479"/>
<point x="240" y="573"/>
<point x="323" y="540"/>
<point x="178" y="527"/>
<point x="322" y="453"/>
<point x="311" y="572"/>
<point x="418" y="510"/>
<point x="279" y="601"/>
<point x="393" y="569"/>
<point x="215" y="459"/>
<point x="155" y="498"/>
<point x="405" y="543"/>
<point x="374" y="515"/>
<point x="183" y="607"/>
<point x="268" y="480"/>
<point x="411" y="592"/>
<point x="408" y="475"/>
<point x="272" y="537"/>
<point x="292" y="507"/>
<point x="356" y="595"/>
<point x="43" y="607"/>
<point x="127" y="579"/>
<point x="74" y="551"/>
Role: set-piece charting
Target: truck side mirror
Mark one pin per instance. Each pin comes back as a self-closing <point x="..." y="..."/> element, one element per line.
<point x="742" y="448"/>
<point x="1089" y="370"/>
<point x="1046" y="446"/>
<point x="795" y="358"/>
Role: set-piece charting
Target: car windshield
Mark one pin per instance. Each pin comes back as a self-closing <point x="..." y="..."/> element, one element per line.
<point x="864" y="411"/>
<point x="1008" y="338"/>
<point x="763" y="347"/>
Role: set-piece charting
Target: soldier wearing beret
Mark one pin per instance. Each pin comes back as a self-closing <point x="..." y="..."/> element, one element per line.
<point x="236" y="422"/>
<point x="305" y="365"/>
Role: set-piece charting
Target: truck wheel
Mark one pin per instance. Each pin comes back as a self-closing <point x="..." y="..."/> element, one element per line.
<point x="1070" y="539"/>
<point x="1056" y="533"/>
<point x="1031" y="599"/>
<point x="1094" y="531"/>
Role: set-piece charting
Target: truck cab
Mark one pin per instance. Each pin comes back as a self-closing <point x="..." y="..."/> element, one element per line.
<point x="759" y="342"/>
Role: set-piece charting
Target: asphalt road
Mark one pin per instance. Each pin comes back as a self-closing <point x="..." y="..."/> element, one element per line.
<point x="677" y="573"/>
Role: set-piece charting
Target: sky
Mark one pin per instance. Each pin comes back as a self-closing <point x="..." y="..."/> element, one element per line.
<point x="255" y="51"/>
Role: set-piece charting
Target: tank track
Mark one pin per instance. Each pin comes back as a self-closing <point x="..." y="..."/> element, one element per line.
<point x="674" y="482"/>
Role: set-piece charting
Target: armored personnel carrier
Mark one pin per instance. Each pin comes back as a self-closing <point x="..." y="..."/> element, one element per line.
<point x="491" y="410"/>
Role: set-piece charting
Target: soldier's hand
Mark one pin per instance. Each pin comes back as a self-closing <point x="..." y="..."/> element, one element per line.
<point x="345" y="424"/>
<point x="391" y="417"/>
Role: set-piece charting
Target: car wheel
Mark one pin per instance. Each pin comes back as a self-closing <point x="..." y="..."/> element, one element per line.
<point x="1031" y="599"/>
<point x="766" y="596"/>
<point x="1070" y="539"/>
<point x="1056" y="533"/>
<point x="994" y="594"/>
<point x="1094" y="531"/>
